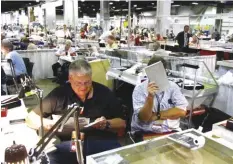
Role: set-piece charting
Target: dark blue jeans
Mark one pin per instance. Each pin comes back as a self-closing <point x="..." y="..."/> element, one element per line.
<point x="63" y="155"/>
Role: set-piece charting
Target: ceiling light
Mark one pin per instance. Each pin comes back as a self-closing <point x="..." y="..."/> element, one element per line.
<point x="138" y="8"/>
<point x="117" y="10"/>
<point x="113" y="7"/>
<point x="82" y="0"/>
<point x="152" y="3"/>
<point x="175" y="5"/>
<point x="146" y="14"/>
<point x="37" y="0"/>
<point x="125" y="10"/>
<point x="195" y="3"/>
<point x="93" y="9"/>
<point x="135" y="5"/>
<point x="110" y="3"/>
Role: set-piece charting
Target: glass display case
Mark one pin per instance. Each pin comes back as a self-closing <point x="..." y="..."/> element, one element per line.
<point x="165" y="151"/>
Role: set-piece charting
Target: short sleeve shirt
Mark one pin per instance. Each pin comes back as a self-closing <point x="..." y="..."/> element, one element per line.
<point x="103" y="103"/>
<point x="17" y="62"/>
<point x="170" y="98"/>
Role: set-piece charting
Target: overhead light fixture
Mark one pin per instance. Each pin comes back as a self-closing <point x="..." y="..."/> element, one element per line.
<point x="195" y="3"/>
<point x="135" y="5"/>
<point x="138" y="8"/>
<point x="37" y="0"/>
<point x="124" y="9"/>
<point x="152" y="3"/>
<point x="117" y="10"/>
<point x="82" y="0"/>
<point x="146" y="14"/>
<point x="175" y="5"/>
<point x="110" y="3"/>
<point x="93" y="9"/>
<point x="113" y="7"/>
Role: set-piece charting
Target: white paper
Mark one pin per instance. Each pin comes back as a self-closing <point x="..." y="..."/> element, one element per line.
<point x="156" y="73"/>
<point x="70" y="123"/>
<point x="92" y="124"/>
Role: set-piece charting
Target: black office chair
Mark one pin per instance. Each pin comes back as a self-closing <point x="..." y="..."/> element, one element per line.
<point x="12" y="82"/>
<point x="29" y="66"/>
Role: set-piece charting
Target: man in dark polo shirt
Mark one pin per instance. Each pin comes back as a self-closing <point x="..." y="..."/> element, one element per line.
<point x="99" y="104"/>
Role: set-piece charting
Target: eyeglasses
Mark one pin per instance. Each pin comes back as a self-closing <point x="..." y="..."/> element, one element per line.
<point x="79" y="84"/>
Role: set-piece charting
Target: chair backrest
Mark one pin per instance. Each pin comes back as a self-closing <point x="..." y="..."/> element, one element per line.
<point x="29" y="66"/>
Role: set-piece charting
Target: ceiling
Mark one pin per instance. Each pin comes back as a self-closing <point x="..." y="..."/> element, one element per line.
<point x="7" y="5"/>
<point x="90" y="8"/>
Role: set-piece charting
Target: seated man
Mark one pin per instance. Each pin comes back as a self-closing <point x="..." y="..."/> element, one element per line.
<point x="99" y="103"/>
<point x="63" y="51"/>
<point x="17" y="60"/>
<point x="146" y="101"/>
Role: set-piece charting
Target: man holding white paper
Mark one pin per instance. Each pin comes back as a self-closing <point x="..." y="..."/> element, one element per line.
<point x="156" y="110"/>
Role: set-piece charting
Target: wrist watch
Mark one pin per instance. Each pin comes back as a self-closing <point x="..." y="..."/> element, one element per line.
<point x="108" y="125"/>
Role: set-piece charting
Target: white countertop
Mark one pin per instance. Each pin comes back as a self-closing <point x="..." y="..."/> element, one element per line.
<point x="215" y="135"/>
<point x="225" y="63"/>
<point x="202" y="47"/>
<point x="20" y="133"/>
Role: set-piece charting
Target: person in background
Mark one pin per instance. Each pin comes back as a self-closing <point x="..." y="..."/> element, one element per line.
<point x="171" y="35"/>
<point x="17" y="60"/>
<point x="31" y="46"/>
<point x="66" y="31"/>
<point x="159" y="37"/>
<point x="85" y="28"/>
<point x="63" y="51"/>
<point x="5" y="27"/>
<point x="99" y="104"/>
<point x="138" y="40"/>
<point x="216" y="35"/>
<point x="111" y="44"/>
<point x="24" y="43"/>
<point x="147" y="99"/>
<point x="194" y="40"/>
<point x="83" y="33"/>
<point x="183" y="39"/>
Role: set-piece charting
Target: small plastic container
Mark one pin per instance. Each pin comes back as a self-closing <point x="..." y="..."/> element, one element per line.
<point x="3" y="112"/>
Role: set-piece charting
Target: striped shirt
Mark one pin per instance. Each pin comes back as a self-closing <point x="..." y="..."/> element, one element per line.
<point x="170" y="98"/>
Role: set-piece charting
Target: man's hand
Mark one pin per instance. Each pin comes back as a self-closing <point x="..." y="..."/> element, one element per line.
<point x="152" y="89"/>
<point x="48" y="124"/>
<point x="101" y="124"/>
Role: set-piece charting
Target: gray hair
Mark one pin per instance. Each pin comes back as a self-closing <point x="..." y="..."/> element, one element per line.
<point x="80" y="66"/>
<point x="7" y="44"/>
<point x="154" y="46"/>
<point x="68" y="42"/>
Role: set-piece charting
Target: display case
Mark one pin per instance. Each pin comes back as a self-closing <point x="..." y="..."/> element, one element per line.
<point x="162" y="150"/>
